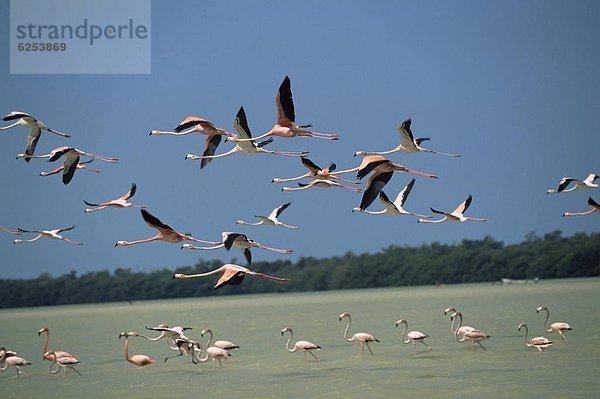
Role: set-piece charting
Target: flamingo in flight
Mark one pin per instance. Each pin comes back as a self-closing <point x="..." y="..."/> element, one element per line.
<point x="383" y="170"/>
<point x="138" y="360"/>
<point x="223" y="344"/>
<point x="184" y="347"/>
<point x="408" y="144"/>
<point x="587" y="183"/>
<point x="48" y="234"/>
<point x="165" y="233"/>
<point x="286" y="126"/>
<point x="246" y="146"/>
<point x="170" y="334"/>
<point x="539" y="343"/>
<point x="323" y="183"/>
<point x="193" y="124"/>
<point x="305" y="346"/>
<point x="120" y="202"/>
<point x="456" y="215"/>
<point x="10" y="358"/>
<point x="315" y="172"/>
<point x="80" y="165"/>
<point x="559" y="327"/>
<point x="24" y="119"/>
<point x="271" y="220"/>
<point x="232" y="275"/>
<point x="396" y="207"/>
<point x="413" y="336"/>
<point x="239" y="241"/>
<point x="71" y="159"/>
<point x="595" y="208"/>
<point x="362" y="338"/>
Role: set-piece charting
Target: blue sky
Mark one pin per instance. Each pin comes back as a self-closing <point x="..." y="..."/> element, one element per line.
<point x="513" y="86"/>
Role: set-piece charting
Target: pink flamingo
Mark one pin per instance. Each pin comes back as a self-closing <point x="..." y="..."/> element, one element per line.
<point x="138" y="360"/>
<point x="456" y="215"/>
<point x="120" y="202"/>
<point x="232" y="275"/>
<point x="595" y="208"/>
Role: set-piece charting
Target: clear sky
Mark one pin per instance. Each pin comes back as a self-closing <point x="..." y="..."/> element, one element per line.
<point x="512" y="85"/>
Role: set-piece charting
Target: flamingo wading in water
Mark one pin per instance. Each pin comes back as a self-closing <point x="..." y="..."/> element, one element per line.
<point x="362" y="338"/>
<point x="9" y="358"/>
<point x="138" y="360"/>
<point x="232" y="275"/>
<point x="245" y="146"/>
<point x="305" y="346"/>
<point x="539" y="343"/>
<point x="36" y="126"/>
<point x="286" y="126"/>
<point x="408" y="144"/>
<point x="559" y="327"/>
<point x="50" y="355"/>
<point x="221" y="343"/>
<point x="413" y="336"/>
<point x="165" y="233"/>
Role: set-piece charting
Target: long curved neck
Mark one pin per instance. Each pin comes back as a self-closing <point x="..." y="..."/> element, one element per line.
<point x="526" y="332"/>
<point x="546" y="321"/>
<point x="287" y="344"/>
<point x="127" y="349"/>
<point x="210" y="336"/>
<point x="201" y="359"/>
<point x="45" y="348"/>
<point x="460" y="320"/>
<point x="452" y="330"/>
<point x="346" y="330"/>
<point x="162" y="335"/>
<point x="404" y="334"/>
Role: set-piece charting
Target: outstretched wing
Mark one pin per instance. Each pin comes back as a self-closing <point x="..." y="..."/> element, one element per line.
<point x="129" y="193"/>
<point x="377" y="160"/>
<point x="32" y="140"/>
<point x="310" y="165"/>
<point x="66" y="229"/>
<point x="374" y="186"/>
<point x="210" y="146"/>
<point x="70" y="165"/>
<point x="406" y="135"/>
<point x="153" y="221"/>
<point x="277" y="211"/>
<point x="190" y="122"/>
<point x="231" y="237"/>
<point x="593" y="203"/>
<point x="285" y="103"/>
<point x="403" y="195"/>
<point x="462" y="208"/>
<point x="231" y="277"/>
<point x="565" y="181"/>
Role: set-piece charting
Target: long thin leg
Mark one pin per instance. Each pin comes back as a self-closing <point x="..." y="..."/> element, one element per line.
<point x="57" y="132"/>
<point x="75" y="370"/>
<point x="202" y="241"/>
<point x="101" y="158"/>
<point x="369" y="348"/>
<point x="290" y="154"/>
<point x="344" y="180"/>
<point x="288" y="226"/>
<point x="71" y="241"/>
<point x="280" y="251"/>
<point x="313" y="355"/>
<point x="442" y="153"/>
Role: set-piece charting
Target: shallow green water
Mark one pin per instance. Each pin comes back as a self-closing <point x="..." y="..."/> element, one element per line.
<point x="263" y="369"/>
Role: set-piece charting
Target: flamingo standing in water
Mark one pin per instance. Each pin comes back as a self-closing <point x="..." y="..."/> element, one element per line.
<point x="214" y="353"/>
<point x="193" y="124"/>
<point x="50" y="355"/>
<point x="286" y="126"/>
<point x="305" y="346"/>
<point x="62" y="362"/>
<point x="558" y="326"/>
<point x="138" y="360"/>
<point x="245" y="145"/>
<point x="396" y="207"/>
<point x="71" y="156"/>
<point x="232" y="275"/>
<point x="323" y="183"/>
<point x="271" y="220"/>
<point x="47" y="234"/>
<point x="315" y="172"/>
<point x="80" y="165"/>
<point x="595" y="208"/>
<point x="363" y="338"/>
<point x="165" y="233"/>
<point x="239" y="241"/>
<point x="413" y="336"/>
<point x="36" y="126"/>
<point x="539" y="343"/>
<point x="221" y="343"/>
<point x="408" y="144"/>
<point x="587" y="183"/>
<point x="460" y="329"/>
<point x="10" y="358"/>
<point x="120" y="202"/>
<point x="456" y="215"/>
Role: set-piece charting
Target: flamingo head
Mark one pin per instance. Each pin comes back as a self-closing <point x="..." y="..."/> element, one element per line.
<point x="401" y="321"/>
<point x="154" y="133"/>
<point x="540" y="308"/>
<point x="345" y="314"/>
<point x="121" y="244"/>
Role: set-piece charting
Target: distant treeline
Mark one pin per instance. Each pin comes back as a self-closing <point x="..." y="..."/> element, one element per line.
<point x="550" y="256"/>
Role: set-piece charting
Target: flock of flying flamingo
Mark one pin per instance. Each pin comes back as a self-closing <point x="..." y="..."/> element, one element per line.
<point x="218" y="350"/>
<point x="373" y="164"/>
